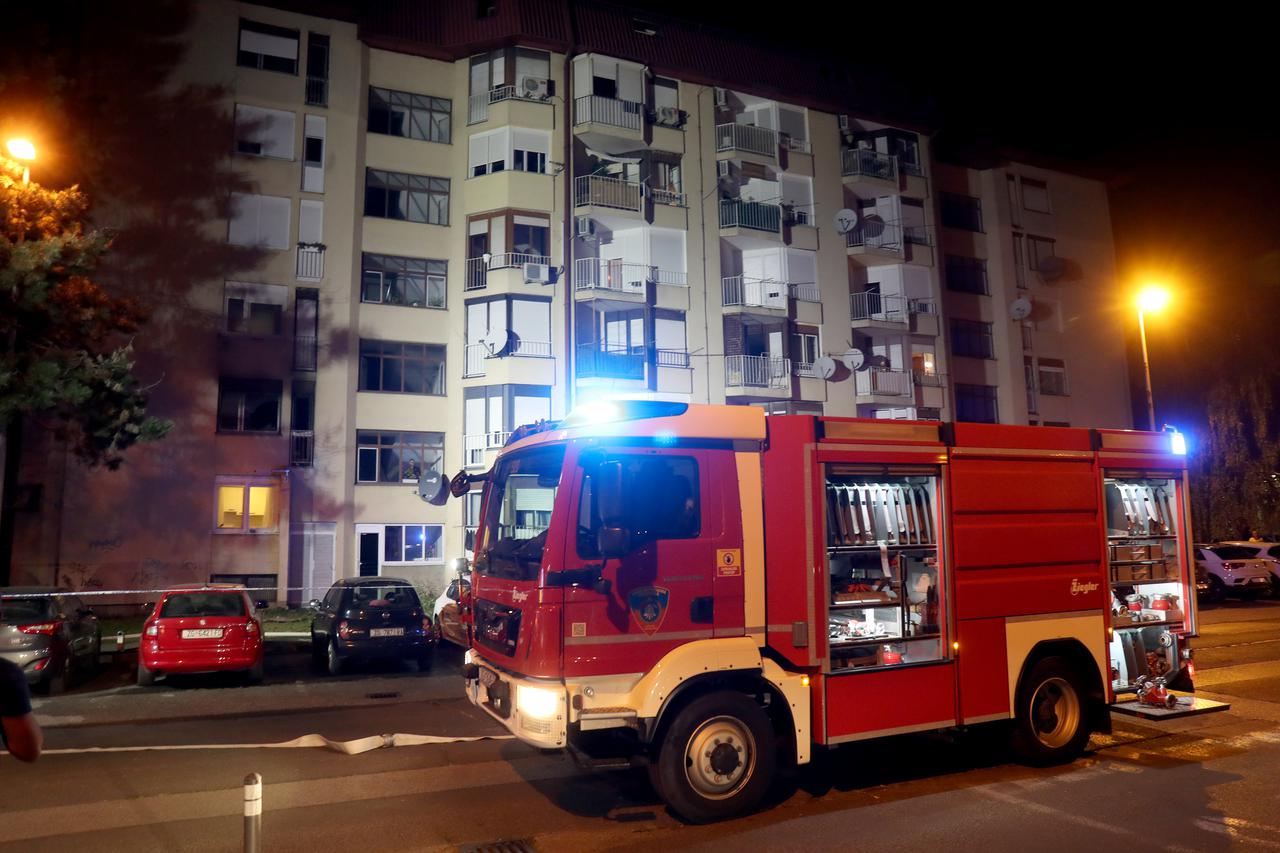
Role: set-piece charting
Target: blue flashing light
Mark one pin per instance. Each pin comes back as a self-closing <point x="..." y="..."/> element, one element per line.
<point x="665" y="438"/>
<point x="1178" y="443"/>
<point x="599" y="412"/>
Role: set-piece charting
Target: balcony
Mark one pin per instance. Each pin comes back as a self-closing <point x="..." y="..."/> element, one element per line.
<point x="672" y="358"/>
<point x="875" y="309"/>
<point x="529" y="89"/>
<point x="740" y="291"/>
<point x="669" y="198"/>
<point x="858" y="165"/>
<point x="302" y="447"/>
<point x="757" y="372"/>
<point x="750" y="224"/>
<point x="477" y="271"/>
<point x="738" y="139"/>
<point x="473" y="357"/>
<point x="475" y="445"/>
<point x="304" y="352"/>
<point x="317" y="91"/>
<point x="610" y="361"/>
<point x="310" y="262"/>
<point x="612" y="276"/>
<point x="805" y="291"/>
<point x="875" y="242"/>
<point x="613" y="112"/>
<point x="609" y="196"/>
<point x="883" y="382"/>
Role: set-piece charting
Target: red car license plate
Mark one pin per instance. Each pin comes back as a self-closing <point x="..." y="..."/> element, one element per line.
<point x="201" y="633"/>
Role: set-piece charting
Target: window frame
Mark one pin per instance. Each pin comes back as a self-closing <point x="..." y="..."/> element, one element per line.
<point x="965" y="268"/>
<point x="432" y="269"/>
<point x="383" y="355"/>
<point x="371" y="441"/>
<point x="972" y="331"/>
<point x="988" y="394"/>
<point x="424" y="188"/>
<point x="267" y="30"/>
<point x="244" y="291"/>
<point x="246" y="388"/>
<point x="385" y="538"/>
<point x="581" y="494"/>
<point x="246" y="483"/>
<point x="1055" y="367"/>
<point x="1039" y="185"/>
<point x="431" y="107"/>
<point x="950" y="212"/>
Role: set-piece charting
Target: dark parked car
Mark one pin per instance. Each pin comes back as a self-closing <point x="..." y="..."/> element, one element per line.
<point x="50" y="633"/>
<point x="371" y="618"/>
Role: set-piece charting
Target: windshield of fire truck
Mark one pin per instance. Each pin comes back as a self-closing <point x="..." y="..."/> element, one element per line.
<point x="520" y="494"/>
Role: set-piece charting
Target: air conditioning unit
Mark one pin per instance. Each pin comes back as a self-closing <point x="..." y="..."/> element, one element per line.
<point x="844" y="121"/>
<point x="722" y="97"/>
<point x="586" y="226"/>
<point x="539" y="273"/>
<point x="535" y="88"/>
<point x="722" y="169"/>
<point x="801" y="217"/>
<point x="669" y="116"/>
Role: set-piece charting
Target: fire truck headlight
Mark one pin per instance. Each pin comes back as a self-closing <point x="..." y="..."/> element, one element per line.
<point x="537" y="702"/>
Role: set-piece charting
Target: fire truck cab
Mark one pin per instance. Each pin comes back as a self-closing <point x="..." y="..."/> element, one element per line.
<point x="713" y="593"/>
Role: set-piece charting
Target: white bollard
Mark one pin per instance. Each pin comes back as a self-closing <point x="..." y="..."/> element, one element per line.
<point x="119" y="642"/>
<point x="253" y="813"/>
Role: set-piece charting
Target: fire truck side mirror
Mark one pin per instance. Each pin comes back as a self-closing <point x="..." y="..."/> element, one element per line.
<point x="608" y="487"/>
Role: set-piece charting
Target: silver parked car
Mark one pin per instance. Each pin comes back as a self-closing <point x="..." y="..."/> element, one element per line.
<point x="50" y="633"/>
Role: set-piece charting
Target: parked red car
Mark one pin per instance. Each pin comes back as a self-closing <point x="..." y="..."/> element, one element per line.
<point x="201" y="628"/>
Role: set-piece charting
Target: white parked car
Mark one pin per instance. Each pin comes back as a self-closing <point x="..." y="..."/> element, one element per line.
<point x="1233" y="569"/>
<point x="445" y="615"/>
<point x="1269" y="551"/>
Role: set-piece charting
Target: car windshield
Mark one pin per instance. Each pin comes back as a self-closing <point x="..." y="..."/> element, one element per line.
<point x="202" y="604"/>
<point x="389" y="596"/>
<point x="1234" y="552"/>
<point x="518" y="502"/>
<point x="23" y="611"/>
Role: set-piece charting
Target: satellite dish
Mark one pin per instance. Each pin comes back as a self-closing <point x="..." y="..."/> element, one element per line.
<point x="496" y="340"/>
<point x="1020" y="308"/>
<point x="853" y="358"/>
<point x="825" y="367"/>
<point x="433" y="488"/>
<point x="872" y="225"/>
<point x="1051" y="268"/>
<point x="846" y="220"/>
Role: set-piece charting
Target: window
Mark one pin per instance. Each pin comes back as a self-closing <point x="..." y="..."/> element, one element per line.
<point x="663" y="502"/>
<point x="409" y="115"/>
<point x="259" y="220"/>
<point x="396" y="195"/>
<point x="411" y="282"/>
<point x="268" y="48"/>
<point x="528" y="321"/>
<point x="397" y="457"/>
<point x="317" y="69"/>
<point x="313" y="136"/>
<point x="508" y="148"/>
<point x="249" y="405"/>
<point x="967" y="275"/>
<point x="971" y="338"/>
<point x="961" y="211"/>
<point x="254" y="309"/>
<point x="804" y="345"/>
<point x="1035" y="196"/>
<point x="261" y="132"/>
<point x="306" y="328"/>
<point x="531" y="235"/>
<point x="401" y="368"/>
<point x="1052" y="373"/>
<point x="1039" y="249"/>
<point x="411" y="543"/>
<point x="976" y="404"/>
<point x="492" y="411"/>
<point x="1019" y="266"/>
<point x="666" y="100"/>
<point x="245" y="505"/>
<point x="907" y="150"/>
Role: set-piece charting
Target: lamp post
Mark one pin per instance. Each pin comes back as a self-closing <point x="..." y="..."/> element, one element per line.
<point x="1152" y="298"/>
<point x="22" y="149"/>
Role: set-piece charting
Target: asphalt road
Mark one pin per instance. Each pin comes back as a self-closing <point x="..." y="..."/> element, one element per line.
<point x="1206" y="783"/>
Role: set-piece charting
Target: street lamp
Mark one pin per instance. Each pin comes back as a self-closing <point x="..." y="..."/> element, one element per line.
<point x="1152" y="298"/>
<point x="22" y="149"/>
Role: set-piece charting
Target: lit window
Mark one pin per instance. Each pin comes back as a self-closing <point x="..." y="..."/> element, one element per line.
<point x="245" y="505"/>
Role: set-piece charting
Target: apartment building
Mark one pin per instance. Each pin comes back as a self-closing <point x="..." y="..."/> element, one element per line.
<point x="474" y="216"/>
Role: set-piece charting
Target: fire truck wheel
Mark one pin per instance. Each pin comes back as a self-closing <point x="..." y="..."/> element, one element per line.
<point x="1050" y="727"/>
<point x="716" y="758"/>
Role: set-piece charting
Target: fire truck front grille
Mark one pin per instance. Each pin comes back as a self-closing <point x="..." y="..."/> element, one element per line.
<point x="497" y="626"/>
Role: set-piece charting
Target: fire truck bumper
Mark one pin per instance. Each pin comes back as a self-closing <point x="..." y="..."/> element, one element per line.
<point x="534" y="710"/>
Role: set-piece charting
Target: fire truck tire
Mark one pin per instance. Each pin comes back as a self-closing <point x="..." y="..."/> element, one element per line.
<point x="716" y="758"/>
<point x="1051" y="723"/>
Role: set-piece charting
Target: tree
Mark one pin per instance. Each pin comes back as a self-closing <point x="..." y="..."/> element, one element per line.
<point x="66" y="357"/>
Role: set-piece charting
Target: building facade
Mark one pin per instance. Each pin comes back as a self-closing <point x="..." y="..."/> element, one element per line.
<point x="471" y="217"/>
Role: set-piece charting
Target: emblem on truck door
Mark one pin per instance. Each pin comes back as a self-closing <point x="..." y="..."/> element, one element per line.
<point x="648" y="606"/>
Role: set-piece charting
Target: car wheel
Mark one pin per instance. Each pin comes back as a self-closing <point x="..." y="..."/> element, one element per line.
<point x="1217" y="589"/>
<point x="333" y="663"/>
<point x="425" y="658"/>
<point x="146" y="677"/>
<point x="1050" y="720"/>
<point x="59" y="681"/>
<point x="716" y="759"/>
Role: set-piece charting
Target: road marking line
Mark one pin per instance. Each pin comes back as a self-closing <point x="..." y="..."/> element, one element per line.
<point x="346" y="747"/>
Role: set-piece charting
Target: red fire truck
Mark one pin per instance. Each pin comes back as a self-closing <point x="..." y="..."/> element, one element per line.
<point x="714" y="594"/>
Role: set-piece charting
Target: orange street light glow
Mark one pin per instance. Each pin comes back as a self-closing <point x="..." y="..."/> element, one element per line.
<point x="1153" y="298"/>
<point x="22" y="149"/>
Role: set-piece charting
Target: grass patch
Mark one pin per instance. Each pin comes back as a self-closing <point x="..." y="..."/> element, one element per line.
<point x="274" y="620"/>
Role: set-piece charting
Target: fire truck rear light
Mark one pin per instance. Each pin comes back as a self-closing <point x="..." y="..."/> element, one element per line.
<point x="804" y="681"/>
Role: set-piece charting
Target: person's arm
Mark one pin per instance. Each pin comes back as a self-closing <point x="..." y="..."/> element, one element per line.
<point x="17" y="724"/>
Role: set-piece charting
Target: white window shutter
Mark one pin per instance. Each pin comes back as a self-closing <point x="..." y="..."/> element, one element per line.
<point x="273" y="223"/>
<point x="630" y="83"/>
<point x="268" y="45"/>
<point x="311" y="221"/>
<point x="243" y="227"/>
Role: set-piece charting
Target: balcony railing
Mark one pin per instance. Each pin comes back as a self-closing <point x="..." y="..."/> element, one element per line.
<point x="304" y="352"/>
<point x="806" y="291"/>
<point x="676" y="278"/>
<point x="670" y="198"/>
<point x="875" y="235"/>
<point x="921" y="306"/>
<point x="795" y="143"/>
<point x="526" y="89"/>
<point x="302" y="447"/>
<point x="310" y="262"/>
<point x="875" y="306"/>
<point x="806" y="370"/>
<point x="605" y="274"/>
<point x="929" y="379"/>
<point x="614" y="112"/>
<point x="602" y="191"/>
<point x="753" y="292"/>
<point x="883" y="382"/>
<point x="672" y="358"/>
<point x="473" y="356"/>
<point x="317" y="91"/>
<point x="477" y="272"/>
<point x="735" y="213"/>
<point x="615" y="361"/>
<point x="475" y="444"/>
<point x="530" y="349"/>
<point x="918" y="235"/>
<point x="747" y="137"/>
<point x="868" y="163"/>
<point x="756" y="371"/>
